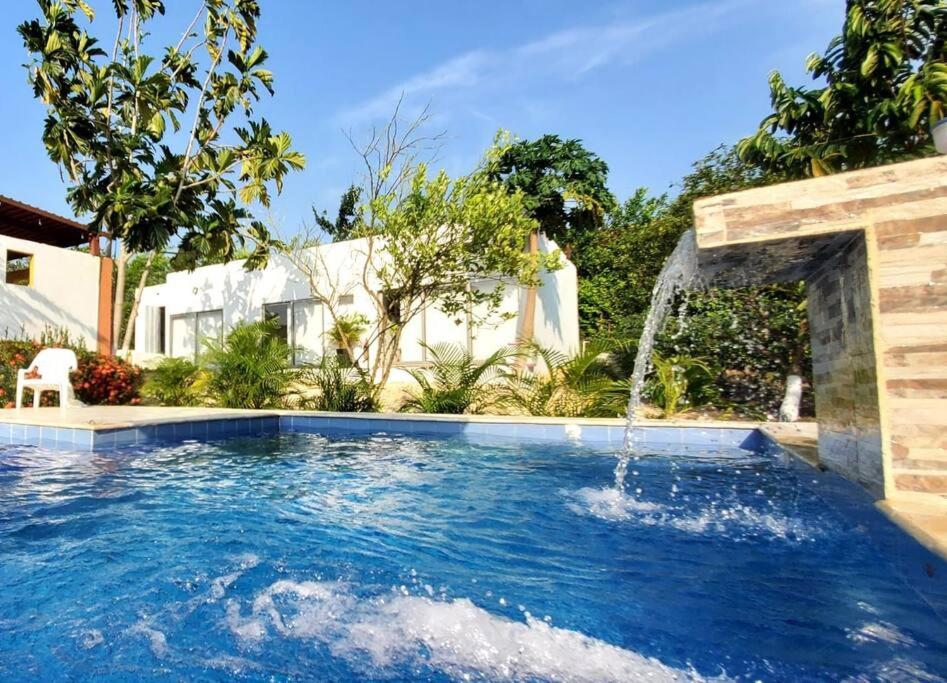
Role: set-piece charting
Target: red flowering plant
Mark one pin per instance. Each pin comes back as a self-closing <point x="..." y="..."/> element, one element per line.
<point x="100" y="379"/>
<point x="107" y="380"/>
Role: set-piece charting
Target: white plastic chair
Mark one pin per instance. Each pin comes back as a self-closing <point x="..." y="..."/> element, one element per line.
<point x="54" y="366"/>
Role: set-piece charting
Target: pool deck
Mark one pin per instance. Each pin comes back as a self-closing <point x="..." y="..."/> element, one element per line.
<point x="106" y="425"/>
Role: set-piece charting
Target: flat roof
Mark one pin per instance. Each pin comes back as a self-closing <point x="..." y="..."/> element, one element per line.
<point x="26" y="222"/>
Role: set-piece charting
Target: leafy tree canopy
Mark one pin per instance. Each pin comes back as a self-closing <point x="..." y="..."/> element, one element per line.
<point x="113" y="119"/>
<point x="563" y="185"/>
<point x="345" y="225"/>
<point x="618" y="263"/>
<point x="885" y="82"/>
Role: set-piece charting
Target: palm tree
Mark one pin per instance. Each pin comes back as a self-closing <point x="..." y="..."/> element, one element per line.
<point x="582" y="385"/>
<point x="456" y="383"/>
<point x="251" y="368"/>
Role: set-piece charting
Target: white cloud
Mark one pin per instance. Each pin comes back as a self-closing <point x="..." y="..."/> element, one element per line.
<point x="565" y="55"/>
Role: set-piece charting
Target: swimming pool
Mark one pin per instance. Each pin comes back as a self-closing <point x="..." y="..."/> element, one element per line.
<point x="353" y="557"/>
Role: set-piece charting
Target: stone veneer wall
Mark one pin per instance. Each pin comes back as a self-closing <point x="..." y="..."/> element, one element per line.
<point x="784" y="232"/>
<point x="911" y="277"/>
<point x="844" y="367"/>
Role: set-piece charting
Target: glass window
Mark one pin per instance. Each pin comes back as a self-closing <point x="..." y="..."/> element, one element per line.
<point x="161" y="330"/>
<point x="347" y="300"/>
<point x="19" y="269"/>
<point x="190" y="330"/>
<point x="279" y="313"/>
<point x="307" y="331"/>
<point x="182" y="336"/>
<point x="210" y="325"/>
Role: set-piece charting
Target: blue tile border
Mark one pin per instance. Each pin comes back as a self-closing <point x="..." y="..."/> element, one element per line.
<point x="611" y="436"/>
<point x="103" y="439"/>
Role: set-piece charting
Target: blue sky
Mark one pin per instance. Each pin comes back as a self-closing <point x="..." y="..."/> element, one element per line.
<point x="649" y="86"/>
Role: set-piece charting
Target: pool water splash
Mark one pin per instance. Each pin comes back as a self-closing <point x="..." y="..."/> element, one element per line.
<point x="723" y="517"/>
<point x="454" y="637"/>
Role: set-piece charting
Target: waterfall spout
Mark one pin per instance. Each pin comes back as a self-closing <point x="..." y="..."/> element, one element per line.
<point x="679" y="273"/>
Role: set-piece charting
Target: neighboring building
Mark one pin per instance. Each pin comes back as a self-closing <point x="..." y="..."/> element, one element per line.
<point x="47" y="283"/>
<point x="174" y="317"/>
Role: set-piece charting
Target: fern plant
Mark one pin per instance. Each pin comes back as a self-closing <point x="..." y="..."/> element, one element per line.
<point x="457" y="383"/>
<point x="586" y="384"/>
<point x="339" y="388"/>
<point x="251" y="368"/>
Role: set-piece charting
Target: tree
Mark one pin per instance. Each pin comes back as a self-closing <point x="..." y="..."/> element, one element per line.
<point x="885" y="85"/>
<point x="618" y="264"/>
<point x="565" y="191"/>
<point x="750" y="335"/>
<point x="422" y="239"/>
<point x="344" y="227"/>
<point x="615" y="266"/>
<point x="563" y="183"/>
<point x="113" y="126"/>
<point x="157" y="272"/>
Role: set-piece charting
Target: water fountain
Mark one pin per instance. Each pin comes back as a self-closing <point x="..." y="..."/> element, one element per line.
<point x="679" y="274"/>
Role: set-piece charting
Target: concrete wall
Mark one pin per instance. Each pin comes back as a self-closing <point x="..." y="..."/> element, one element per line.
<point x="892" y="281"/>
<point x="240" y="296"/>
<point x="64" y="292"/>
<point x="843" y="366"/>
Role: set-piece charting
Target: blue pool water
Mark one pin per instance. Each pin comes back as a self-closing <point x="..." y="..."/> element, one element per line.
<point x="305" y="557"/>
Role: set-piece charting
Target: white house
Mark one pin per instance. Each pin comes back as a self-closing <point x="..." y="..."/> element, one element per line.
<point x="174" y="317"/>
<point x="48" y="284"/>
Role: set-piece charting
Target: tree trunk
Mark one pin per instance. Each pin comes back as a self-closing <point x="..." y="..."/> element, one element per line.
<point x="789" y="408"/>
<point x="528" y="323"/>
<point x="130" y="325"/>
<point x="119" y="303"/>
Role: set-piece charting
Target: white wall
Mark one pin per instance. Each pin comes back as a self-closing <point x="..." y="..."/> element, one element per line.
<point x="241" y="296"/>
<point x="65" y="292"/>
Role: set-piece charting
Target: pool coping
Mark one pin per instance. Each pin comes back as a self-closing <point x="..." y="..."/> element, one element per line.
<point x="101" y="428"/>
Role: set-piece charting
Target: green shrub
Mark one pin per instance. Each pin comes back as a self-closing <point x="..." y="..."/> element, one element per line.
<point x="587" y="384"/>
<point x="340" y="388"/>
<point x="678" y="382"/>
<point x="752" y="337"/>
<point x="456" y="383"/>
<point x="347" y="332"/>
<point x="250" y="368"/>
<point x="175" y="382"/>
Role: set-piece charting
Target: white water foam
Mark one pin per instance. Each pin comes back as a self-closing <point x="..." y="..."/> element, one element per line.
<point x="156" y="639"/>
<point x="616" y="506"/>
<point x="455" y="637"/>
<point x="898" y="670"/>
<point x="880" y="632"/>
<point x="91" y="638"/>
<point x="611" y="504"/>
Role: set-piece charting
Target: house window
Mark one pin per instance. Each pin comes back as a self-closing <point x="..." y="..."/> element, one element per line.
<point x="19" y="269"/>
<point x="392" y="302"/>
<point x="346" y="300"/>
<point x="300" y="326"/>
<point x="161" y="330"/>
<point x="190" y="330"/>
<point x="279" y="313"/>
